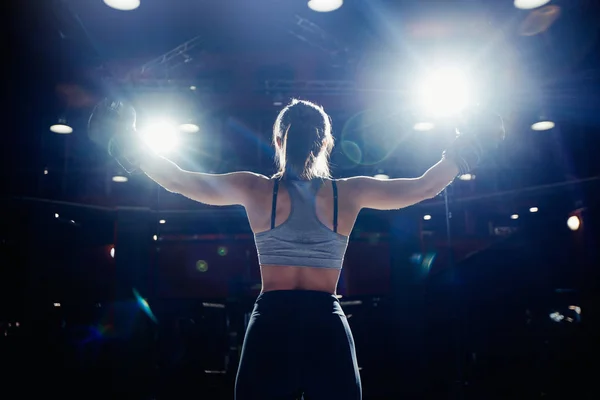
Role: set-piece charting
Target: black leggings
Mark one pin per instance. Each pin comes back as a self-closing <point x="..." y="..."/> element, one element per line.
<point x="298" y="342"/>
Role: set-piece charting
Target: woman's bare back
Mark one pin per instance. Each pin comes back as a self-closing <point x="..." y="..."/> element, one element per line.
<point x="300" y="278"/>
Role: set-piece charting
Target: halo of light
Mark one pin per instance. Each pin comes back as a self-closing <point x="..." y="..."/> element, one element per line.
<point x="573" y="222"/>
<point x="161" y="136"/>
<point x="530" y="4"/>
<point x="543" y="126"/>
<point x="222" y="251"/>
<point x="61" y="129"/>
<point x="427" y="217"/>
<point x="119" y="179"/>
<point x="514" y="216"/>
<point x="56" y="215"/>
<point x="201" y="266"/>
<point x="444" y="92"/>
<point x="533" y="209"/>
<point x="423" y="126"/>
<point x="123" y="5"/>
<point x="325" y="5"/>
<point x="189" y="128"/>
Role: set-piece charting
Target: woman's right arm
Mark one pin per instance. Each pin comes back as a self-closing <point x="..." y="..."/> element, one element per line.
<point x="393" y="194"/>
<point x="233" y="188"/>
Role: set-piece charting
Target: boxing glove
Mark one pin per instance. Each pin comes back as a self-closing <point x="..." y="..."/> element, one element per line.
<point x="479" y="134"/>
<point x="112" y="127"/>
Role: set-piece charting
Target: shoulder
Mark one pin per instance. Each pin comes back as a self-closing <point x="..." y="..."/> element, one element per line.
<point x="251" y="180"/>
<point x="353" y="186"/>
<point x="356" y="183"/>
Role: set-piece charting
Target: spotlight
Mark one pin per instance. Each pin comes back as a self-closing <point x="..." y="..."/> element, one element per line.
<point x="155" y="237"/>
<point x="45" y="171"/>
<point x="56" y="215"/>
<point x="189" y="128"/>
<point x="423" y="126"/>
<point x="123" y="5"/>
<point x="119" y="179"/>
<point x="161" y="136"/>
<point x="112" y="252"/>
<point x="193" y="88"/>
<point x="530" y="4"/>
<point x="325" y="5"/>
<point x="62" y="127"/>
<point x="514" y="216"/>
<point x="533" y="210"/>
<point x="467" y="177"/>
<point x="574" y="222"/>
<point x="444" y="93"/>
<point x="162" y="221"/>
<point x="543" y="126"/>
<point x="427" y="217"/>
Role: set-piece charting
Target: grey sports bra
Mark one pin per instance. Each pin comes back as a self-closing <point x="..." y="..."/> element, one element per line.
<point x="302" y="240"/>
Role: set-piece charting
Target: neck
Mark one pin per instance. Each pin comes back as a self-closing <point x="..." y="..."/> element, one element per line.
<point x="292" y="174"/>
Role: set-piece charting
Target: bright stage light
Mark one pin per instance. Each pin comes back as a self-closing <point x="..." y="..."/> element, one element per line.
<point x="530" y="4"/>
<point x="543" y="126"/>
<point x="444" y="93"/>
<point x="467" y="177"/>
<point x="423" y="126"/>
<point x="123" y="5"/>
<point x="119" y="179"/>
<point x="61" y="129"/>
<point x="161" y="136"/>
<point x="533" y="209"/>
<point x="162" y="221"/>
<point x="427" y="217"/>
<point x="573" y="222"/>
<point x="325" y="5"/>
<point x="514" y="216"/>
<point x="189" y="128"/>
<point x="112" y="252"/>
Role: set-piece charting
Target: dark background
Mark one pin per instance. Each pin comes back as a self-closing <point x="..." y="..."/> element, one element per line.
<point x="425" y="327"/>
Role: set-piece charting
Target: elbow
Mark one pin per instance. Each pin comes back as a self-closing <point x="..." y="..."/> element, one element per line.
<point x="430" y="189"/>
<point x="430" y="193"/>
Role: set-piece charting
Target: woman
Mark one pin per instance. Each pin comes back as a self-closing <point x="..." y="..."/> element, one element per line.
<point x="298" y="340"/>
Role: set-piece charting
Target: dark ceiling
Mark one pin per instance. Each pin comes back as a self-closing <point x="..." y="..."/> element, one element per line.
<point x="64" y="55"/>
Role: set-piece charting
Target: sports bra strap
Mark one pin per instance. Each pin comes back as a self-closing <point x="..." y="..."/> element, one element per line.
<point x="274" y="207"/>
<point x="335" y="205"/>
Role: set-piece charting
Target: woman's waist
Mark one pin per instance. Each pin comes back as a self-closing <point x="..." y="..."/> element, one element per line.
<point x="296" y="303"/>
<point x="284" y="278"/>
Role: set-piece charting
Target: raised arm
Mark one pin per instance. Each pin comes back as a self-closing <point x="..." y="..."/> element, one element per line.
<point x="112" y="127"/>
<point x="393" y="194"/>
<point x="233" y="188"/>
